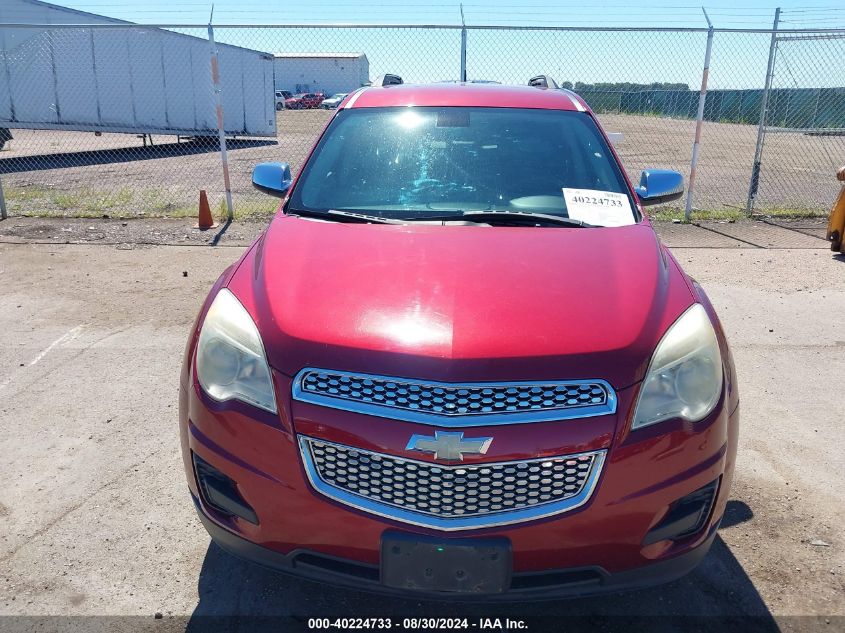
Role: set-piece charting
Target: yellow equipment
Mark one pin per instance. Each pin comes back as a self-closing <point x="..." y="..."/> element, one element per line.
<point x="836" y="222"/>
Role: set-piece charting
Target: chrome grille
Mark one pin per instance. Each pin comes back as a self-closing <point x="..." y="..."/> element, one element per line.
<point x="454" y="404"/>
<point x="450" y="496"/>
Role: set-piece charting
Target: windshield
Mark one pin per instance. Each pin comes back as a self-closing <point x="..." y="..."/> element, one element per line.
<point x="416" y="162"/>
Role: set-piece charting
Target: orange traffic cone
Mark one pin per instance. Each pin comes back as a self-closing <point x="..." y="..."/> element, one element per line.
<point x="205" y="219"/>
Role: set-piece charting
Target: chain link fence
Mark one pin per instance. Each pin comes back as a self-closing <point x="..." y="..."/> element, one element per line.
<point x="121" y="120"/>
<point x="804" y="124"/>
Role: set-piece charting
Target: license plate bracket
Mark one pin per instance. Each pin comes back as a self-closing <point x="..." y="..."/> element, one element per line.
<point x="451" y="565"/>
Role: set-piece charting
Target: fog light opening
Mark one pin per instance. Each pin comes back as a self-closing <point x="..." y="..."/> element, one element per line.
<point x="686" y="516"/>
<point x="220" y="492"/>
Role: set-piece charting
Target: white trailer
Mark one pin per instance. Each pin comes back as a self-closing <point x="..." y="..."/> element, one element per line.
<point x="125" y="78"/>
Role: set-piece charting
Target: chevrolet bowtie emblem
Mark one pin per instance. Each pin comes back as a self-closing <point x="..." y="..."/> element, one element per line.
<point x="449" y="446"/>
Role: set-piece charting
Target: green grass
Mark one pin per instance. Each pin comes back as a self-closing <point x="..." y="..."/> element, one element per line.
<point x="21" y="195"/>
<point x="667" y="214"/>
<point x="89" y="202"/>
<point x="126" y="202"/>
<point x="155" y="203"/>
<point x="788" y="212"/>
<point x="250" y="209"/>
<point x="44" y="202"/>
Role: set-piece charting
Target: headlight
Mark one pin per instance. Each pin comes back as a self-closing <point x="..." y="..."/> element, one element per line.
<point x="684" y="378"/>
<point x="231" y="363"/>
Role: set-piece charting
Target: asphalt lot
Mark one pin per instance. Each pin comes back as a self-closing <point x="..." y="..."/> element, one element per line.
<point x="95" y="518"/>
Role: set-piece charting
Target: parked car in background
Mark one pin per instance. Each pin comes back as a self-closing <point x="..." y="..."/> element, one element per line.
<point x="332" y="102"/>
<point x="281" y="97"/>
<point x="304" y="100"/>
<point x="5" y="135"/>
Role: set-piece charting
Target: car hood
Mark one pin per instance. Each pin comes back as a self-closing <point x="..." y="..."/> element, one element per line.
<point x="461" y="303"/>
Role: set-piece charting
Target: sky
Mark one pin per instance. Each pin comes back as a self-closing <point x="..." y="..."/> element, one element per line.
<point x="739" y="59"/>
<point x="724" y="13"/>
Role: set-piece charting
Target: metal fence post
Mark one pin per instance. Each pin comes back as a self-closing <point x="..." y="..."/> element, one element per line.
<point x="463" y="46"/>
<point x="221" y="133"/>
<point x="812" y="122"/>
<point x="761" y="127"/>
<point x="699" y="119"/>
<point x="2" y="202"/>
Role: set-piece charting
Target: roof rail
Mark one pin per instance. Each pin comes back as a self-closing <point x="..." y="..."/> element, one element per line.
<point x="575" y="98"/>
<point x="387" y="80"/>
<point x="542" y="81"/>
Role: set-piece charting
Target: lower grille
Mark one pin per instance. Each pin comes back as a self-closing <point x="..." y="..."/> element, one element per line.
<point x="450" y="497"/>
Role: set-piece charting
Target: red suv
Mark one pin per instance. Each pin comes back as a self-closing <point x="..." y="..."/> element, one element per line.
<point x="304" y="100"/>
<point x="460" y="363"/>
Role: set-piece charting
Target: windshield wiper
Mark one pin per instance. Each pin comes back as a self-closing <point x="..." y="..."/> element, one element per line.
<point x="345" y="216"/>
<point x="523" y="217"/>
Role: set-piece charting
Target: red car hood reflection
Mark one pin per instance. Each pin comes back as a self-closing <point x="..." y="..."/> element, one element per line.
<point x="461" y="303"/>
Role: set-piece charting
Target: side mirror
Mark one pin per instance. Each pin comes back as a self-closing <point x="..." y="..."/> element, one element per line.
<point x="272" y="178"/>
<point x="659" y="185"/>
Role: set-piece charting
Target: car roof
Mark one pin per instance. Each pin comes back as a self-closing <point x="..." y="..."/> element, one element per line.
<point x="467" y="94"/>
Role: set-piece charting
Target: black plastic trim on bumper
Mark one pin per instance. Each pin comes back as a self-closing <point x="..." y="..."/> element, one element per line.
<point x="686" y="516"/>
<point x="583" y="581"/>
<point x="220" y="492"/>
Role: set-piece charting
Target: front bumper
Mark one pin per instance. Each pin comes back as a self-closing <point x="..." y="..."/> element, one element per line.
<point x="601" y="546"/>
<point x="548" y="585"/>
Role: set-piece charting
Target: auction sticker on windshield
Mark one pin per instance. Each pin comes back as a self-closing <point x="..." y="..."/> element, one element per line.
<point x="603" y="208"/>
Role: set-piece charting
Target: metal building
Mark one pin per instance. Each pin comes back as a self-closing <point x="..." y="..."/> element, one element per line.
<point x="129" y="78"/>
<point x="328" y="73"/>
